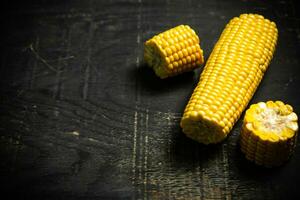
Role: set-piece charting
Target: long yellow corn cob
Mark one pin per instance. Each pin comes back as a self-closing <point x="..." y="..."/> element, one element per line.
<point x="174" y="51"/>
<point x="269" y="133"/>
<point x="230" y="78"/>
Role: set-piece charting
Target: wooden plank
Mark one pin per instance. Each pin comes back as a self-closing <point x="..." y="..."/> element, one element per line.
<point x="82" y="117"/>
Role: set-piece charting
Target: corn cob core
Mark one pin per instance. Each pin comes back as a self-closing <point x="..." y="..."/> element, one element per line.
<point x="230" y="78"/>
<point x="174" y="51"/>
<point x="269" y="133"/>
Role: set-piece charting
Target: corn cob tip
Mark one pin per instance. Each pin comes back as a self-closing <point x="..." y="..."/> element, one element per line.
<point x="174" y="51"/>
<point x="269" y="133"/>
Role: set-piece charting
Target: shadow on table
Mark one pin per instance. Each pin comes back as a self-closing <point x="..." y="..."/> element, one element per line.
<point x="188" y="153"/>
<point x="148" y="80"/>
<point x="251" y="171"/>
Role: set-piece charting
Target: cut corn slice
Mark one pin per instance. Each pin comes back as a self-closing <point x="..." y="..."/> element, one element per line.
<point x="174" y="51"/>
<point x="269" y="133"/>
<point x="230" y="78"/>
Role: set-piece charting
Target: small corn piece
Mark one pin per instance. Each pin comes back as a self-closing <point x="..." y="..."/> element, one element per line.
<point x="174" y="51"/>
<point x="230" y="78"/>
<point x="269" y="133"/>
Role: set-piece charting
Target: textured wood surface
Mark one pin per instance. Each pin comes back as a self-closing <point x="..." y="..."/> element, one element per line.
<point x="82" y="117"/>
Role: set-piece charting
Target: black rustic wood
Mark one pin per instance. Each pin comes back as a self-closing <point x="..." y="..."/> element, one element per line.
<point x="82" y="117"/>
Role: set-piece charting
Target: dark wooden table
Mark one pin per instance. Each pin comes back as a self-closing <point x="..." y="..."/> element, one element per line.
<point x="82" y="117"/>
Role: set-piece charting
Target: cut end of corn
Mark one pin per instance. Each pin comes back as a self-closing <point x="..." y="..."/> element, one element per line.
<point x="269" y="133"/>
<point x="174" y="51"/>
<point x="201" y="128"/>
<point x="230" y="77"/>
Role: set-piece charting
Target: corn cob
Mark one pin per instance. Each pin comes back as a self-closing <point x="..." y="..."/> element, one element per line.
<point x="174" y="51"/>
<point x="269" y="133"/>
<point x="230" y="78"/>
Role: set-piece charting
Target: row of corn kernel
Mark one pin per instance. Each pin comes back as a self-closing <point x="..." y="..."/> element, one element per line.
<point x="208" y="74"/>
<point x="233" y="71"/>
<point x="235" y="115"/>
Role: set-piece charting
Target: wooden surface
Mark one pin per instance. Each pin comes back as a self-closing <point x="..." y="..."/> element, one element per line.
<point x="82" y="117"/>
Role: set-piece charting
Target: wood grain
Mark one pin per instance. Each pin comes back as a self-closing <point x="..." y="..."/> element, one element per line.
<point x="82" y="116"/>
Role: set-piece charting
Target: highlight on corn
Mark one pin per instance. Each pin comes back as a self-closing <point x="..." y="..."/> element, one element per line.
<point x="174" y="51"/>
<point x="230" y="78"/>
<point x="269" y="133"/>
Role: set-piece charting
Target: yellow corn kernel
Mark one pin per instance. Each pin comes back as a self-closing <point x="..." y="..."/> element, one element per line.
<point x="230" y="76"/>
<point x="275" y="133"/>
<point x="174" y="51"/>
